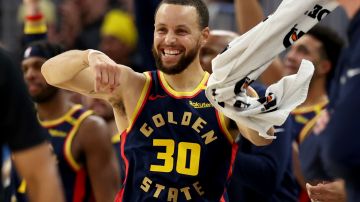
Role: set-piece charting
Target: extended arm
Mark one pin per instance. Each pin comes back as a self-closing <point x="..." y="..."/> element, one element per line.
<point x="248" y="14"/>
<point x="88" y="72"/>
<point x="250" y="134"/>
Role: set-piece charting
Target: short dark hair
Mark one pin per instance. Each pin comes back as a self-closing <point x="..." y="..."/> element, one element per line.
<point x="332" y="44"/>
<point x="200" y="6"/>
<point x="42" y="49"/>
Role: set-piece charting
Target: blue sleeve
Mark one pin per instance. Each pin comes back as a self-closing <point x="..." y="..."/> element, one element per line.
<point x="311" y="163"/>
<point x="263" y="168"/>
<point x="341" y="136"/>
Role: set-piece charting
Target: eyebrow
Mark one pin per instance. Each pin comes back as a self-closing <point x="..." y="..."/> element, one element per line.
<point x="303" y="47"/>
<point x="177" y="26"/>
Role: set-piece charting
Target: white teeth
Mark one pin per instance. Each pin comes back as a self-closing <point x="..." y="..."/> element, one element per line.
<point x="171" y="52"/>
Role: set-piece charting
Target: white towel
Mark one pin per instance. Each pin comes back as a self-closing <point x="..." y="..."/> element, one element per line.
<point x="247" y="56"/>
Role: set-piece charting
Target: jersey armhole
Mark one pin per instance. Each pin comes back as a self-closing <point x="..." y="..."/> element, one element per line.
<point x="224" y="128"/>
<point x="76" y="166"/>
<point x="142" y="100"/>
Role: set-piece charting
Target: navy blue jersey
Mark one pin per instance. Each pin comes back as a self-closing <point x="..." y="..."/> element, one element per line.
<point x="304" y="119"/>
<point x="74" y="177"/>
<point x="341" y="137"/>
<point x="73" y="174"/>
<point x="177" y="147"/>
<point x="115" y="140"/>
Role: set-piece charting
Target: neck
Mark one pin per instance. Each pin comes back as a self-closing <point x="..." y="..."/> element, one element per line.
<point x="317" y="92"/>
<point x="187" y="80"/>
<point x="351" y="7"/>
<point x="54" y="108"/>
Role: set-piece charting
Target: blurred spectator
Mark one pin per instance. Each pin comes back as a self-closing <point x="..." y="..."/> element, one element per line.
<point x="91" y="17"/>
<point x="217" y="41"/>
<point x="144" y="16"/>
<point x="119" y="38"/>
<point x="341" y="136"/>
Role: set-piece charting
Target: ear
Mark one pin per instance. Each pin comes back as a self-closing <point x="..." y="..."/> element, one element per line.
<point x="205" y="35"/>
<point x="324" y="67"/>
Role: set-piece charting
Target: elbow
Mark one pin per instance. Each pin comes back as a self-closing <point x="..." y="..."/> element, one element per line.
<point x="53" y="74"/>
<point x="263" y="141"/>
<point x="48" y="74"/>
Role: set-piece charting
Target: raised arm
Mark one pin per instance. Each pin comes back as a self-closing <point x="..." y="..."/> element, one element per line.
<point x="248" y="14"/>
<point x="250" y="134"/>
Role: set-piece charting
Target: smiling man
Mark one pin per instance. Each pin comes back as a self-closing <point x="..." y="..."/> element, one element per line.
<point x="172" y="150"/>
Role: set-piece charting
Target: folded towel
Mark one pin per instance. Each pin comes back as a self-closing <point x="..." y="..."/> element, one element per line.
<point x="247" y="56"/>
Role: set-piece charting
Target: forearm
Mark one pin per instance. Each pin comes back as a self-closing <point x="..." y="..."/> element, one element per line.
<point x="250" y="134"/>
<point x="38" y="167"/>
<point x="248" y="14"/>
<point x="107" y="182"/>
<point x="64" y="67"/>
<point x="254" y="137"/>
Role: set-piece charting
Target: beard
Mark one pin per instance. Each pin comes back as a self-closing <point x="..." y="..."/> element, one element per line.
<point x="184" y="61"/>
<point x="45" y="96"/>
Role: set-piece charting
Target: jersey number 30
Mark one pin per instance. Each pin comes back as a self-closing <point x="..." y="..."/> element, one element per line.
<point x="185" y="150"/>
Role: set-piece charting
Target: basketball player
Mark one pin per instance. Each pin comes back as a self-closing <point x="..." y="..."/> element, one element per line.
<point x="80" y="140"/>
<point x="177" y="147"/>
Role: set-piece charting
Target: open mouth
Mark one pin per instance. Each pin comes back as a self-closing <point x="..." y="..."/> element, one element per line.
<point x="170" y="56"/>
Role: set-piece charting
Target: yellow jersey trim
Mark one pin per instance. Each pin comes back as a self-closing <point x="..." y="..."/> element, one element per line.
<point x="115" y="138"/>
<point x="67" y="145"/>
<point x="141" y="100"/>
<point x="22" y="187"/>
<point x="307" y="128"/>
<point x="224" y="127"/>
<point x="317" y="108"/>
<point x="65" y="117"/>
<point x="201" y="86"/>
<point x="301" y="119"/>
